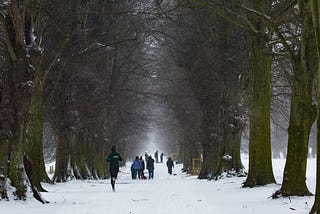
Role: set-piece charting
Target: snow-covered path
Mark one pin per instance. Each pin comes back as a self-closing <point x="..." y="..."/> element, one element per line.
<point x="164" y="194"/>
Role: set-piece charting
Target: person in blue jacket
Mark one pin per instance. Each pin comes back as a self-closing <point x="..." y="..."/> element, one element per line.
<point x="113" y="160"/>
<point x="136" y="168"/>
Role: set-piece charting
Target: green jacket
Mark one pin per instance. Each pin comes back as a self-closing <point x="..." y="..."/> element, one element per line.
<point x="114" y="158"/>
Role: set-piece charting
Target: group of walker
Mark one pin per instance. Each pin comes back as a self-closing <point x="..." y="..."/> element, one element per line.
<point x="137" y="167"/>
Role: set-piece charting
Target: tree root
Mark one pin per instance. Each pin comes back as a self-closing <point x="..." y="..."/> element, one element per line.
<point x="276" y="194"/>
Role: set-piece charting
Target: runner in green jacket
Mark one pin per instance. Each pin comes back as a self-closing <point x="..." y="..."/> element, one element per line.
<point x="113" y="160"/>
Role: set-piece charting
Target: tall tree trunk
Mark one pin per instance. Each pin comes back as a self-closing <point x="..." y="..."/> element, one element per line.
<point x="211" y="144"/>
<point x="18" y="96"/>
<point x="315" y="11"/>
<point x="76" y="159"/>
<point x="15" y="172"/>
<point x="35" y="138"/>
<point x="82" y="157"/>
<point x="302" y="112"/>
<point x="12" y="123"/>
<point x="188" y="150"/>
<point x="4" y="151"/>
<point x="210" y="164"/>
<point x="231" y="93"/>
<point x="100" y="163"/>
<point x="62" y="173"/>
<point x="182" y="154"/>
<point x="260" y="164"/>
<point x="90" y="155"/>
<point x="301" y="119"/>
<point x="17" y="29"/>
<point x="231" y="159"/>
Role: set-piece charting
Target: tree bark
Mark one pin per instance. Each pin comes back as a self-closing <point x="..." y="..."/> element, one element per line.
<point x="260" y="164"/>
<point x="302" y="112"/>
<point x="18" y="85"/>
<point x="15" y="158"/>
<point x="231" y="158"/>
<point x="62" y="173"/>
<point x="35" y="138"/>
<point x="211" y="145"/>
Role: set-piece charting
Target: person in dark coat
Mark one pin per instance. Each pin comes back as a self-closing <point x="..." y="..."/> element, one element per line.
<point x="150" y="167"/>
<point x="156" y="156"/>
<point x="170" y="165"/>
<point x="133" y="176"/>
<point x="136" y="168"/>
<point x="113" y="160"/>
<point x="143" y="167"/>
<point x="161" y="157"/>
<point x="146" y="156"/>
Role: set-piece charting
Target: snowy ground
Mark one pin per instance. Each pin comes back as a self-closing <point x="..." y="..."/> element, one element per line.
<point x="165" y="194"/>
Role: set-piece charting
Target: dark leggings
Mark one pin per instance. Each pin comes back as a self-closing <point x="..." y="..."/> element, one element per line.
<point x="113" y="174"/>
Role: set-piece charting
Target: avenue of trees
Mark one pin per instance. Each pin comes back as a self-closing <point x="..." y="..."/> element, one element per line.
<point x="95" y="73"/>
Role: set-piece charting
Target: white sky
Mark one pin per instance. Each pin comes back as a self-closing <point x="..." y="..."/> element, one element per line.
<point x="153" y="144"/>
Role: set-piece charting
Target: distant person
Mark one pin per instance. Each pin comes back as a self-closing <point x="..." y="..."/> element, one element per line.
<point x="150" y="167"/>
<point x="156" y="156"/>
<point x="132" y="172"/>
<point x="146" y="156"/>
<point x="170" y="165"/>
<point x="113" y="160"/>
<point x="136" y="168"/>
<point x="161" y="157"/>
<point x="143" y="167"/>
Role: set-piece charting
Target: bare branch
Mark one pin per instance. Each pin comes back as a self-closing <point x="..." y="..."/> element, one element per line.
<point x="7" y="39"/>
<point x="55" y="58"/>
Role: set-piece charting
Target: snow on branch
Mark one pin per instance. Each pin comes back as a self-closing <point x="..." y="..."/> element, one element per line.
<point x="97" y="46"/>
